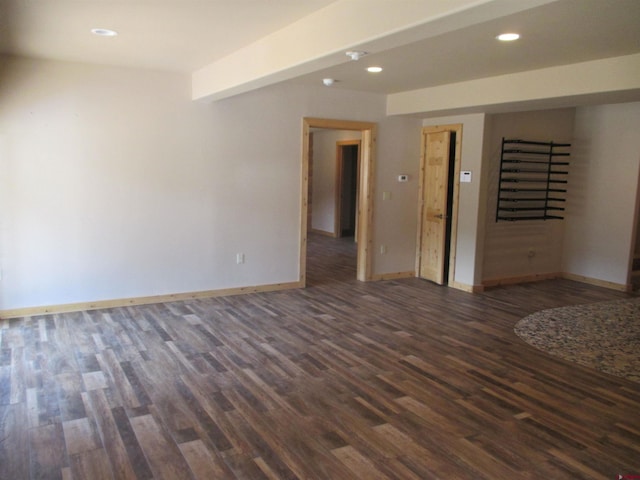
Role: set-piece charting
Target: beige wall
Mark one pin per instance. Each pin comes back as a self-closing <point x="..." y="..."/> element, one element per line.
<point x="507" y="244"/>
<point x="104" y="184"/>
<point x="396" y="218"/>
<point x="595" y="240"/>
<point x="599" y="230"/>
<point x="115" y="184"/>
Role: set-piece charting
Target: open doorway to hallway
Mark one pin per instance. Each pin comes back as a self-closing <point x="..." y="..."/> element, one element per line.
<point x="351" y="189"/>
<point x="334" y="159"/>
<point x="333" y="182"/>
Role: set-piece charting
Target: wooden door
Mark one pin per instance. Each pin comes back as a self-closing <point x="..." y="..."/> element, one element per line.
<point x="434" y="206"/>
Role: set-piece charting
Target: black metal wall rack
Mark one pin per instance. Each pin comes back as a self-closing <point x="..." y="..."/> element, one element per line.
<point x="533" y="179"/>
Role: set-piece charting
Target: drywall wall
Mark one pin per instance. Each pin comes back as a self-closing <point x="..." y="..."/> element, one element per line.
<point x="323" y="191"/>
<point x="115" y="184"/>
<point x="599" y="225"/>
<point x="104" y="181"/>
<point x="396" y="216"/>
<point x="471" y="201"/>
<point x="508" y="244"/>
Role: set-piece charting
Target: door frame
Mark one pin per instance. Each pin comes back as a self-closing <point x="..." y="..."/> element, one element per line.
<point x="364" y="227"/>
<point x="338" y="185"/>
<point x="452" y="128"/>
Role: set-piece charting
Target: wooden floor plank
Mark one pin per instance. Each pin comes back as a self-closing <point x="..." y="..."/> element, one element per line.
<point x="14" y="441"/>
<point x="47" y="455"/>
<point x="92" y="464"/>
<point x="202" y="461"/>
<point x="344" y="380"/>
<point x="359" y="465"/>
<point x="163" y="456"/>
<point x="111" y="440"/>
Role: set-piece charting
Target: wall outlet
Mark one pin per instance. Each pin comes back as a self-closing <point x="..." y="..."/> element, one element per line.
<point x="239" y="258"/>
<point x="383" y="249"/>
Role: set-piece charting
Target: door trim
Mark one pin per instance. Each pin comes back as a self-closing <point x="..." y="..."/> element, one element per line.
<point x="364" y="228"/>
<point x="457" y="129"/>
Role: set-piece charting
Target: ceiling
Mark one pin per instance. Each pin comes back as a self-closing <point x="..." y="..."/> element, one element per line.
<point x="185" y="35"/>
<point x="176" y="35"/>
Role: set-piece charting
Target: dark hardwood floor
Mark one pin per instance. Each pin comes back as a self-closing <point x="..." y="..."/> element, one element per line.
<point x="342" y="380"/>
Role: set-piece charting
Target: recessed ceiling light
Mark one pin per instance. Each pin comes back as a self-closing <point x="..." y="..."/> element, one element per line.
<point x="104" y="32"/>
<point x="508" y="37"/>
<point x="374" y="69"/>
<point x="328" y="81"/>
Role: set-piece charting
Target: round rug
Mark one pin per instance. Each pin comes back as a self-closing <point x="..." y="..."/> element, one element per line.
<point x="604" y="336"/>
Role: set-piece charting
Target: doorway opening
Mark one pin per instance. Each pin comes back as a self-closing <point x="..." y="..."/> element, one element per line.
<point x="438" y="212"/>
<point x="362" y="224"/>
<point x="347" y="166"/>
<point x="448" y="217"/>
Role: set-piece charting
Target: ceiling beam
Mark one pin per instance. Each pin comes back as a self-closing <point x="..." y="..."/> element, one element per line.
<point x="612" y="80"/>
<point x="321" y="39"/>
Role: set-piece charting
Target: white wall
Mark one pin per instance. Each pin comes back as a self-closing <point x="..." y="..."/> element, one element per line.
<point x="323" y="214"/>
<point x="507" y="244"/>
<point x="114" y="184"/>
<point x="600" y="223"/>
<point x="102" y="184"/>
<point x="471" y="202"/>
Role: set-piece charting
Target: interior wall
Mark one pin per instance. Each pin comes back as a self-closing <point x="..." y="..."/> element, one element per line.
<point x="600" y="224"/>
<point x="508" y="244"/>
<point x="104" y="179"/>
<point x="396" y="215"/>
<point x="324" y="177"/>
<point x="115" y="184"/>
<point x="471" y="201"/>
